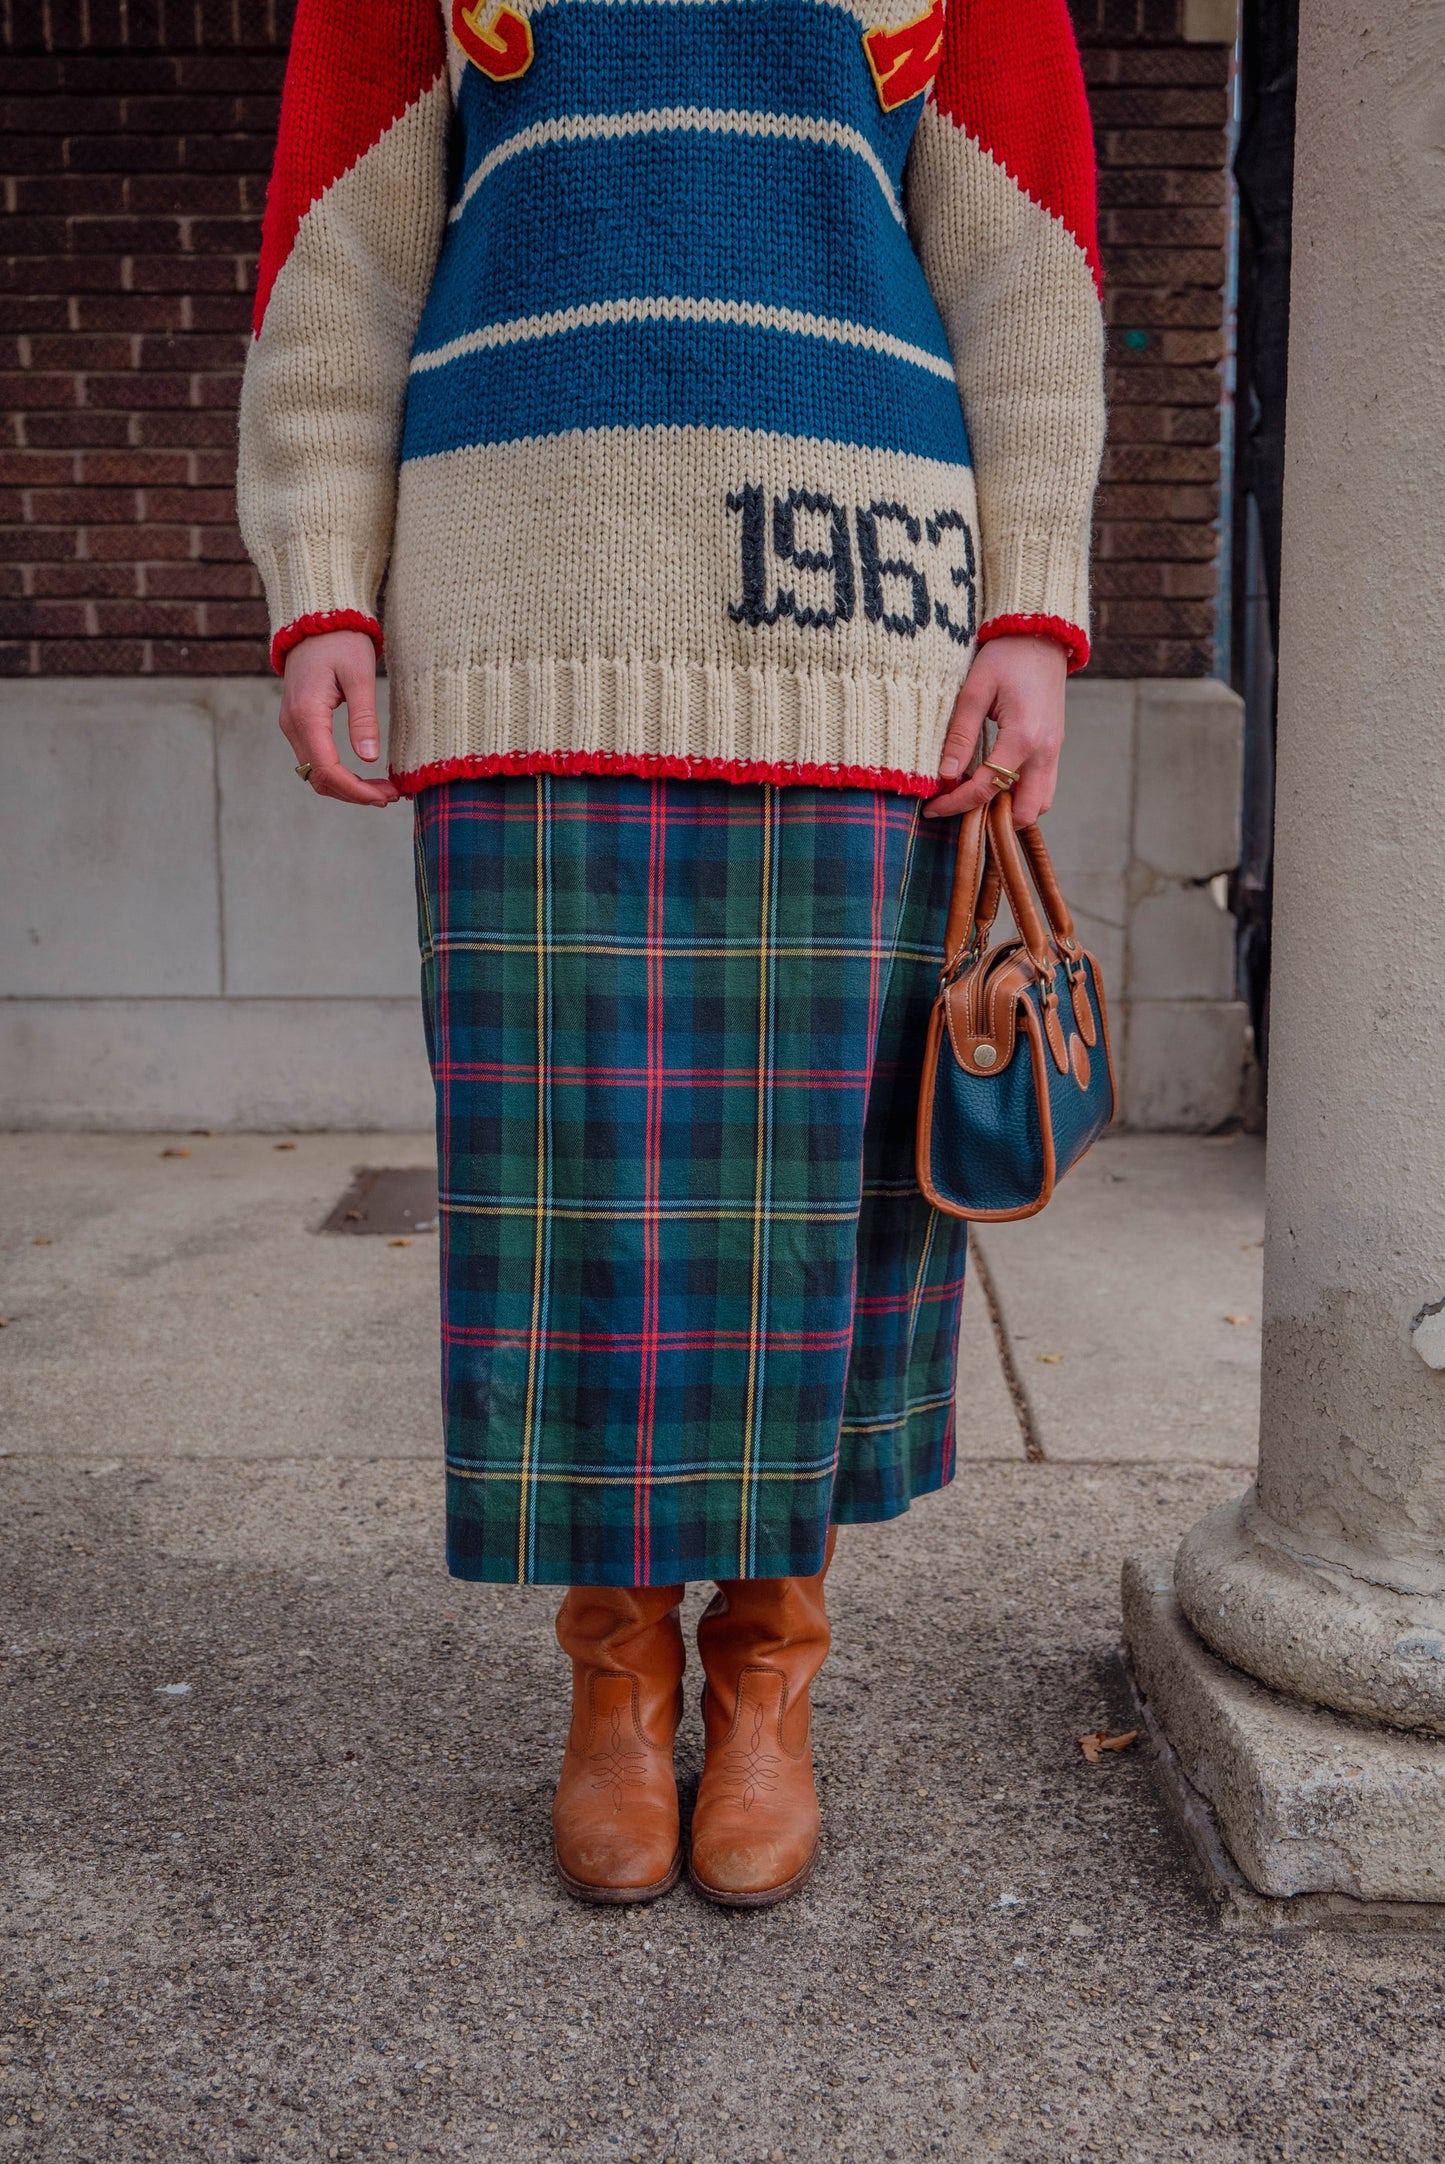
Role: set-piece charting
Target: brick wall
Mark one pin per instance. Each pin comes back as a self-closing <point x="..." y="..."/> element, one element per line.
<point x="137" y="142"/>
<point x="1160" y="111"/>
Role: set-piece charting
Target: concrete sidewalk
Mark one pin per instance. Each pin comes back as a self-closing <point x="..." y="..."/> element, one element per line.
<point x="275" y="1871"/>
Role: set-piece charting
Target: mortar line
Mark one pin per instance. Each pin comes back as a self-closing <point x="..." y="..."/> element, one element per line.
<point x="1023" y="1410"/>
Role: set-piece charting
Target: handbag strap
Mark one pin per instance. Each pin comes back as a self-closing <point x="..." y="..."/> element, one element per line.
<point x="973" y="904"/>
<point x="1029" y="878"/>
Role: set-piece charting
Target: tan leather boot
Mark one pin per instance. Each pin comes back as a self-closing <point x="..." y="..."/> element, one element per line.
<point x="755" y="1828"/>
<point x="615" y="1830"/>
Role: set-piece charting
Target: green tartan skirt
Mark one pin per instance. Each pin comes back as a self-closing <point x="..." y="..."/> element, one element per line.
<point x="694" y="1308"/>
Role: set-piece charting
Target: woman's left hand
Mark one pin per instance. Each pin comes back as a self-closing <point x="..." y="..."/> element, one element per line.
<point x="1019" y="683"/>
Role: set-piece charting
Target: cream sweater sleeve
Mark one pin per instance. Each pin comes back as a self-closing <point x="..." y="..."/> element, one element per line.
<point x="354" y="218"/>
<point x="1001" y="206"/>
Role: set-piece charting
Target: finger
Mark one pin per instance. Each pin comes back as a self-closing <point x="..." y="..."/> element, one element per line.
<point x="1010" y="750"/>
<point x="1034" y="790"/>
<point x="359" y="688"/>
<point x="315" y="745"/>
<point x="970" y="711"/>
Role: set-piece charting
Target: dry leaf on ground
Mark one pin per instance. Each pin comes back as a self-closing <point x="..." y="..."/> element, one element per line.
<point x="175" y="1153"/>
<point x="1095" y="1745"/>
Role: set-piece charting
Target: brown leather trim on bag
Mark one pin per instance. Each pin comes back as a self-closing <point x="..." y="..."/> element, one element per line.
<point x="923" y="1142"/>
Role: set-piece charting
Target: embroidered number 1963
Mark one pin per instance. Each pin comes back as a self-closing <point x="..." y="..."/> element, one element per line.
<point x="810" y="532"/>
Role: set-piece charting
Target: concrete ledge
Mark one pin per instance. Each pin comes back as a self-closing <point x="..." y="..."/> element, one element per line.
<point x="1310" y="1806"/>
<point x="252" y="1064"/>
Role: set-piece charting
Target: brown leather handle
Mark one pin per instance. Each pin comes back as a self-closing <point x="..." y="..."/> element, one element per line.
<point x="970" y="867"/>
<point x="1050" y="893"/>
<point x="1007" y="845"/>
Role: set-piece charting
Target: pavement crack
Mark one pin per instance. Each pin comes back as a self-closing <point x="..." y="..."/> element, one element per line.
<point x="1023" y="1409"/>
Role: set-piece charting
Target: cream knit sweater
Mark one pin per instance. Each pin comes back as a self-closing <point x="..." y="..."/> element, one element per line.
<point x="708" y="375"/>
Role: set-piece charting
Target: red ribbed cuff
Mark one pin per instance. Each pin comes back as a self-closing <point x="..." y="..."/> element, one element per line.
<point x="482" y="766"/>
<point x="310" y="627"/>
<point x="1074" y="641"/>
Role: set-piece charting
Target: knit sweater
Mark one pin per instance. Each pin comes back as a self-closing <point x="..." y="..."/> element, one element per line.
<point x="704" y="377"/>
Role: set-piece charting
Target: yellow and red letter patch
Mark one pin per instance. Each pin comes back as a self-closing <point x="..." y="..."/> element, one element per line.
<point x="501" y="47"/>
<point x="905" y="61"/>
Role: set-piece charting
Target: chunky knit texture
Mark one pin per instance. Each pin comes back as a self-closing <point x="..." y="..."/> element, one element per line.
<point x="709" y="375"/>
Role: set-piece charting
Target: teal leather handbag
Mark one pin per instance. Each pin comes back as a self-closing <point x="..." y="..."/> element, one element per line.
<point x="1018" y="1078"/>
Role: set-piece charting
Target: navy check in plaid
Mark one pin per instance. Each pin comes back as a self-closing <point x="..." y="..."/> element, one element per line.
<point x="693" y="1304"/>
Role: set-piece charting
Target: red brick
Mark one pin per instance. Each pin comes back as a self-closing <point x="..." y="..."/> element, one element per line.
<point x="80" y="427"/>
<point x="218" y="391"/>
<point x="129" y="311"/>
<point x="30" y="393"/>
<point x="42" y="619"/>
<point x="139" y="544"/>
<point x="222" y="312"/>
<point x="1164" y="146"/>
<point x="1145" y="111"/>
<point x="133" y="391"/>
<point x="90" y="657"/>
<point x="141" y="469"/>
<point x="1167" y="267"/>
<point x="187" y="195"/>
<point x="236" y="620"/>
<point x="148" y="619"/>
<point x="61" y="274"/>
<point x="66" y="194"/>
<point x="1146" y="307"/>
<point x="80" y="352"/>
<point x="35" y="235"/>
<point x="1171" y="64"/>
<point x="220" y="544"/>
<point x="183" y="274"/>
<point x="71" y="506"/>
<point x="36" y="544"/>
<point x="1171" y="227"/>
<point x="213" y="658"/>
<point x="1152" y="657"/>
<point x="125" y="236"/>
<point x="34" y="154"/>
<point x="1162" y="619"/>
<point x="199" y="351"/>
<point x="1186" y="544"/>
<point x="1153" y="186"/>
<point x="122" y="154"/>
<point x="201" y="506"/>
<point x="203" y="430"/>
<point x="1160" y="462"/>
<point x="30" y="312"/>
<point x="216" y="469"/>
<point x="193" y="581"/>
<point x="36" y="469"/>
<point x="89" y="580"/>
<point x="1170" y="386"/>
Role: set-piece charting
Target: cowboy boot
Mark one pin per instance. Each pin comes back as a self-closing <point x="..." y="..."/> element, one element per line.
<point x="755" y="1828"/>
<point x="615" y="1830"/>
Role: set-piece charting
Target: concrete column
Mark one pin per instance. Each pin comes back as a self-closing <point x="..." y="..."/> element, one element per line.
<point x="1327" y="1580"/>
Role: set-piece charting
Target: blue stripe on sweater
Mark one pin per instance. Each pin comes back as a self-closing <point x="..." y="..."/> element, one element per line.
<point x="776" y="56"/>
<point x="785" y="224"/>
<point x="683" y="375"/>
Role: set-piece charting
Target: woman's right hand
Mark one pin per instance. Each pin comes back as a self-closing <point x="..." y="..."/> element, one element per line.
<point x="335" y="668"/>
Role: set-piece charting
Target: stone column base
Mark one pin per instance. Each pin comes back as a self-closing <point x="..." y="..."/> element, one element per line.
<point x="1328" y="1819"/>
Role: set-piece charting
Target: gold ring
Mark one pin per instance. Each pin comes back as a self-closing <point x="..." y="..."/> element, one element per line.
<point x="304" y="771"/>
<point x="1005" y="776"/>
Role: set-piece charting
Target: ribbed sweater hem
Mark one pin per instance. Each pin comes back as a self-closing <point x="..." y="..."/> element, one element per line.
<point x="481" y="766"/>
<point x="627" y="715"/>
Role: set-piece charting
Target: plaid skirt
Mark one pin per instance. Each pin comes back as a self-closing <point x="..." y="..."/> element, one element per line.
<point x="694" y="1308"/>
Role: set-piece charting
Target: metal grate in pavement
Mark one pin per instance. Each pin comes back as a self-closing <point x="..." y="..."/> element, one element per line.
<point x="392" y="1199"/>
